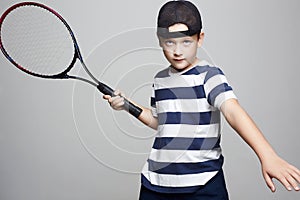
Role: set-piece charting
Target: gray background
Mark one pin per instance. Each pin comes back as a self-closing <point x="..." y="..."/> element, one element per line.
<point x="60" y="140"/>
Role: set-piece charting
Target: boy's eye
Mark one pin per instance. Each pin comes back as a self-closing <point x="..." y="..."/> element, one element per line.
<point x="187" y="42"/>
<point x="169" y="43"/>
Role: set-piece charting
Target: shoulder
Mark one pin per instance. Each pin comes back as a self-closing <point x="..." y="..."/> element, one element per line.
<point x="213" y="71"/>
<point x="163" y="73"/>
<point x="208" y="71"/>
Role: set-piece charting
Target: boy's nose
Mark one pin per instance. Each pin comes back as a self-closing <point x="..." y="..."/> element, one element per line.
<point x="177" y="51"/>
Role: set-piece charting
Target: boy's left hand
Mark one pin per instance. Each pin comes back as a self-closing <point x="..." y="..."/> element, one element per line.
<point x="275" y="167"/>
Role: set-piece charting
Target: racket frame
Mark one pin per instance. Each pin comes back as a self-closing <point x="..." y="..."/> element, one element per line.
<point x="130" y="107"/>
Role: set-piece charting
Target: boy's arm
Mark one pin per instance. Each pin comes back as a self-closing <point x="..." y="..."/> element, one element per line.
<point x="145" y="117"/>
<point x="272" y="165"/>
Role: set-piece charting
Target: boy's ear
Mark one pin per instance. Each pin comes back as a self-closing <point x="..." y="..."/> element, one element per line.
<point x="200" y="38"/>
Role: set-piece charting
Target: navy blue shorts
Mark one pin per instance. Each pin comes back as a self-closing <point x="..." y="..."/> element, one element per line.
<point x="215" y="189"/>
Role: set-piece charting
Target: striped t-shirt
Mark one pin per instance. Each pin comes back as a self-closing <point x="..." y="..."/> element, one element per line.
<point x="186" y="152"/>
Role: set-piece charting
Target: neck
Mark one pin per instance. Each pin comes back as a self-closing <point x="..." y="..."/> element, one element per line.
<point x="174" y="70"/>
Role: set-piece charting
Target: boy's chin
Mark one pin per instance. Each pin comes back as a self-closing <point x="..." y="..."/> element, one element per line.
<point x="181" y="67"/>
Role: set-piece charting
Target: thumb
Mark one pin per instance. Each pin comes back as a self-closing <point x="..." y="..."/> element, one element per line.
<point x="269" y="182"/>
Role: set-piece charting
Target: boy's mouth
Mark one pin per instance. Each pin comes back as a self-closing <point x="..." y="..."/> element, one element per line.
<point x="178" y="60"/>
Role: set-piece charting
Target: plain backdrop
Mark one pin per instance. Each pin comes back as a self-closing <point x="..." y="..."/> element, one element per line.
<point x="60" y="140"/>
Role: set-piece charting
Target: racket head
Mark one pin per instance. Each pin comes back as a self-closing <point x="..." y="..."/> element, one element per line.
<point x="37" y="40"/>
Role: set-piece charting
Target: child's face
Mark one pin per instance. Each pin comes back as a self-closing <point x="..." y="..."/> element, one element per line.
<point x="181" y="52"/>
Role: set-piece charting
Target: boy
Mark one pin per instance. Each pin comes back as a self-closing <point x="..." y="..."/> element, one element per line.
<point x="186" y="160"/>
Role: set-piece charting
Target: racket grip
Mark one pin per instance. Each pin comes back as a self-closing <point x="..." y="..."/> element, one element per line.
<point x="130" y="107"/>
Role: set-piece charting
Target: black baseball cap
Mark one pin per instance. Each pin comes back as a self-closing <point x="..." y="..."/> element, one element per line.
<point x="175" y="12"/>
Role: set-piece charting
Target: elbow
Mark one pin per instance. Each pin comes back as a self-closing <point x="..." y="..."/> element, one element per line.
<point x="231" y="110"/>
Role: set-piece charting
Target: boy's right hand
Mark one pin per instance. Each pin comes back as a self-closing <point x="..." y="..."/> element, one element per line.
<point x="117" y="101"/>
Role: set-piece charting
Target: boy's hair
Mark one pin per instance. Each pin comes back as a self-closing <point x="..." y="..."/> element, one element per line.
<point x="175" y="12"/>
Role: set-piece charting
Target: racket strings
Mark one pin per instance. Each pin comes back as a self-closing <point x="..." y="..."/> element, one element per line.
<point x="37" y="40"/>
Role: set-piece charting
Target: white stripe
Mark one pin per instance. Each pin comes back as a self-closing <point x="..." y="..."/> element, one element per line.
<point x="221" y="98"/>
<point x="184" y="105"/>
<point x="153" y="92"/>
<point x="154" y="112"/>
<point x="188" y="131"/>
<point x="184" y="156"/>
<point x="179" y="81"/>
<point x="214" y="82"/>
<point x="188" y="180"/>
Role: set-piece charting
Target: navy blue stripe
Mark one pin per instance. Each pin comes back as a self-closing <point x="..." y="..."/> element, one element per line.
<point x="213" y="71"/>
<point x="152" y="101"/>
<point x="198" y="118"/>
<point x="195" y="191"/>
<point x="170" y="143"/>
<point x="163" y="189"/>
<point x="197" y="70"/>
<point x="185" y="168"/>
<point x="162" y="74"/>
<point x="195" y="92"/>
<point x="216" y="91"/>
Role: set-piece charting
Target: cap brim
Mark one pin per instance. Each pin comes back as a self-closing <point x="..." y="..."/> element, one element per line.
<point x="165" y="33"/>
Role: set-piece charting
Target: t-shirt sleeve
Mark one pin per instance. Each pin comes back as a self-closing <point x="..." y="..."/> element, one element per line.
<point x="153" y="102"/>
<point x="217" y="88"/>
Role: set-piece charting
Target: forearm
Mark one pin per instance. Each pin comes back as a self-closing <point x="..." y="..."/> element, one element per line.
<point x="242" y="123"/>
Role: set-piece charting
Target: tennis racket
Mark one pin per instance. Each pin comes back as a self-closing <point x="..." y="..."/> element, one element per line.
<point x="38" y="41"/>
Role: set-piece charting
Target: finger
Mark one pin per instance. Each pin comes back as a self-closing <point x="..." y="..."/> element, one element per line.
<point x="117" y="92"/>
<point x="285" y="182"/>
<point x="122" y="94"/>
<point x="117" y="102"/>
<point x="296" y="173"/>
<point x="116" y="99"/>
<point x="120" y="105"/>
<point x="106" y="97"/>
<point x="293" y="179"/>
<point x="269" y="182"/>
<point x="293" y="183"/>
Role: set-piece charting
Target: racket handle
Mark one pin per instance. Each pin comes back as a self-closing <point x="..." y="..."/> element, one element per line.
<point x="130" y="107"/>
